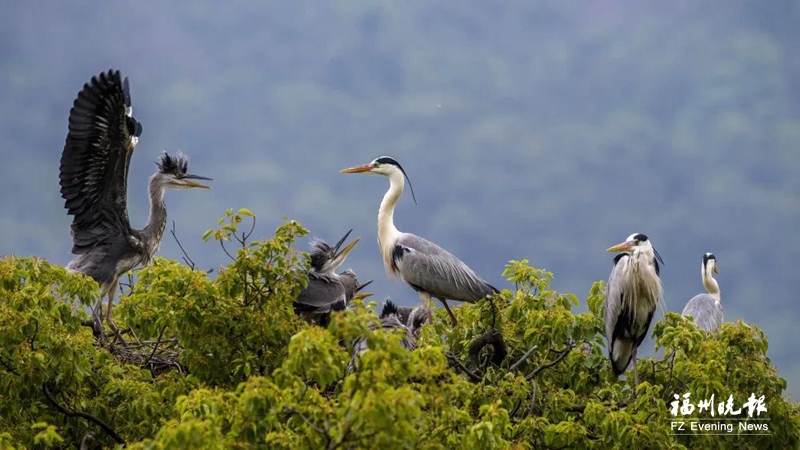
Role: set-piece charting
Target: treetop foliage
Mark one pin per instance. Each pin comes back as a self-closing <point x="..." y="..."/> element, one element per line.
<point x="223" y="362"/>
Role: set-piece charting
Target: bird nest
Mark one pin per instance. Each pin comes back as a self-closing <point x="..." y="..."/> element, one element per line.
<point x="159" y="355"/>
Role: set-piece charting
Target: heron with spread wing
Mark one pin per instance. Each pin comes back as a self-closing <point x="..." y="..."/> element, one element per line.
<point x="94" y="173"/>
<point x="706" y="309"/>
<point x="429" y="269"/>
<point x="326" y="290"/>
<point x="633" y="293"/>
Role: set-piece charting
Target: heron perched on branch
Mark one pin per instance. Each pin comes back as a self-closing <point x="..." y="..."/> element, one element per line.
<point x="633" y="293"/>
<point x="706" y="309"/>
<point x="390" y="320"/>
<point x="326" y="290"/>
<point x="429" y="269"/>
<point x="94" y="173"/>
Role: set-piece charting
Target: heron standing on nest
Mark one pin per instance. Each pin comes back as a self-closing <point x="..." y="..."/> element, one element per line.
<point x="94" y="174"/>
<point x="634" y="292"/>
<point x="706" y="309"/>
<point x="429" y="269"/>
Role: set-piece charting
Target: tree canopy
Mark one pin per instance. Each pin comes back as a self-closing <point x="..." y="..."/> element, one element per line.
<point x="222" y="362"/>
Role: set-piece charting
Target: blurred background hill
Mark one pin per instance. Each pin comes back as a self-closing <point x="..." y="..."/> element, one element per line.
<point x="529" y="129"/>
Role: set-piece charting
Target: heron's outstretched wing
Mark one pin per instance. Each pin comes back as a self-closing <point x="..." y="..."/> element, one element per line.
<point x="430" y="268"/>
<point x="94" y="164"/>
<point x="706" y="311"/>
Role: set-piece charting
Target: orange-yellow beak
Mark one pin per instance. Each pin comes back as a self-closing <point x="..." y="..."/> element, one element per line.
<point x="715" y="269"/>
<point x="358" y="169"/>
<point x="624" y="246"/>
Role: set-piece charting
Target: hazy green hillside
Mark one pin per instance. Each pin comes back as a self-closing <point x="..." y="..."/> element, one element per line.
<point x="538" y="130"/>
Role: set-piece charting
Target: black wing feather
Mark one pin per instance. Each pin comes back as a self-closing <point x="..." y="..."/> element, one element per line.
<point x="95" y="161"/>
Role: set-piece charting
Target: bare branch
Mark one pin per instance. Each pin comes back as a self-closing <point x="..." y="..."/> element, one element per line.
<point x="110" y="431"/>
<point x="471" y="374"/>
<point x="491" y="338"/>
<point x="582" y="408"/>
<point x="533" y="397"/>
<point x="523" y="359"/>
<point x="552" y="363"/>
<point x="155" y="347"/>
<point x="186" y="258"/>
<point x="294" y="412"/>
<point x="222" y="244"/>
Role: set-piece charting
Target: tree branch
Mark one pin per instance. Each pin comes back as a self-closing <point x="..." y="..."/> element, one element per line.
<point x="493" y="338"/>
<point x="582" y="408"/>
<point x="155" y="347"/>
<point x="294" y="412"/>
<point x="523" y="359"/>
<point x="471" y="374"/>
<point x="186" y="258"/>
<point x="110" y="431"/>
<point x="552" y="363"/>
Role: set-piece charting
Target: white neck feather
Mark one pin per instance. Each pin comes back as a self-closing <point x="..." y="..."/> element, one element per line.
<point x="710" y="283"/>
<point x="387" y="232"/>
<point x="644" y="282"/>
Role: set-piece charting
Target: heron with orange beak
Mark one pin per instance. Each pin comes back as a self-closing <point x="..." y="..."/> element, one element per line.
<point x="429" y="269"/>
<point x="632" y="296"/>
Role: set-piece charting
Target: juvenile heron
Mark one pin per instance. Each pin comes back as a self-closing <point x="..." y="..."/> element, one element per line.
<point x="94" y="172"/>
<point x="706" y="308"/>
<point x="429" y="269"/>
<point x="390" y="320"/>
<point x="326" y="290"/>
<point x="413" y="318"/>
<point x="633" y="293"/>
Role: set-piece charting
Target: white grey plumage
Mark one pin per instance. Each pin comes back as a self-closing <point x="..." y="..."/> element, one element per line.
<point x="706" y="309"/>
<point x="390" y="320"/>
<point x="93" y="176"/>
<point x="633" y="293"/>
<point x="428" y="268"/>
<point x="413" y="317"/>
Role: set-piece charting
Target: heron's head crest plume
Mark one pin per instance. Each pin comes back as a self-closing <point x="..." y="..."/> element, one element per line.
<point x="392" y="161"/>
<point x="389" y="308"/>
<point x="320" y="253"/>
<point x="173" y="165"/>
<point x="708" y="256"/>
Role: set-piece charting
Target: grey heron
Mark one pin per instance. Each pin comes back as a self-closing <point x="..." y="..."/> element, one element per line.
<point x="390" y="320"/>
<point x="429" y="269"/>
<point x="706" y="309"/>
<point x="413" y="318"/>
<point x="633" y="293"/>
<point x="94" y="173"/>
<point x="326" y="290"/>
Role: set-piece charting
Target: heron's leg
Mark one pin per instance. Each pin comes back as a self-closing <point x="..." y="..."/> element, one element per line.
<point x="635" y="372"/>
<point x="111" y="293"/>
<point x="97" y="313"/>
<point x="452" y="316"/>
<point x="428" y="303"/>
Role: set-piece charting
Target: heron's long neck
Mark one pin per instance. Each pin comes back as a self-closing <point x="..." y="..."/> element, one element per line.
<point x="710" y="284"/>
<point x="387" y="232"/>
<point x="157" y="221"/>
